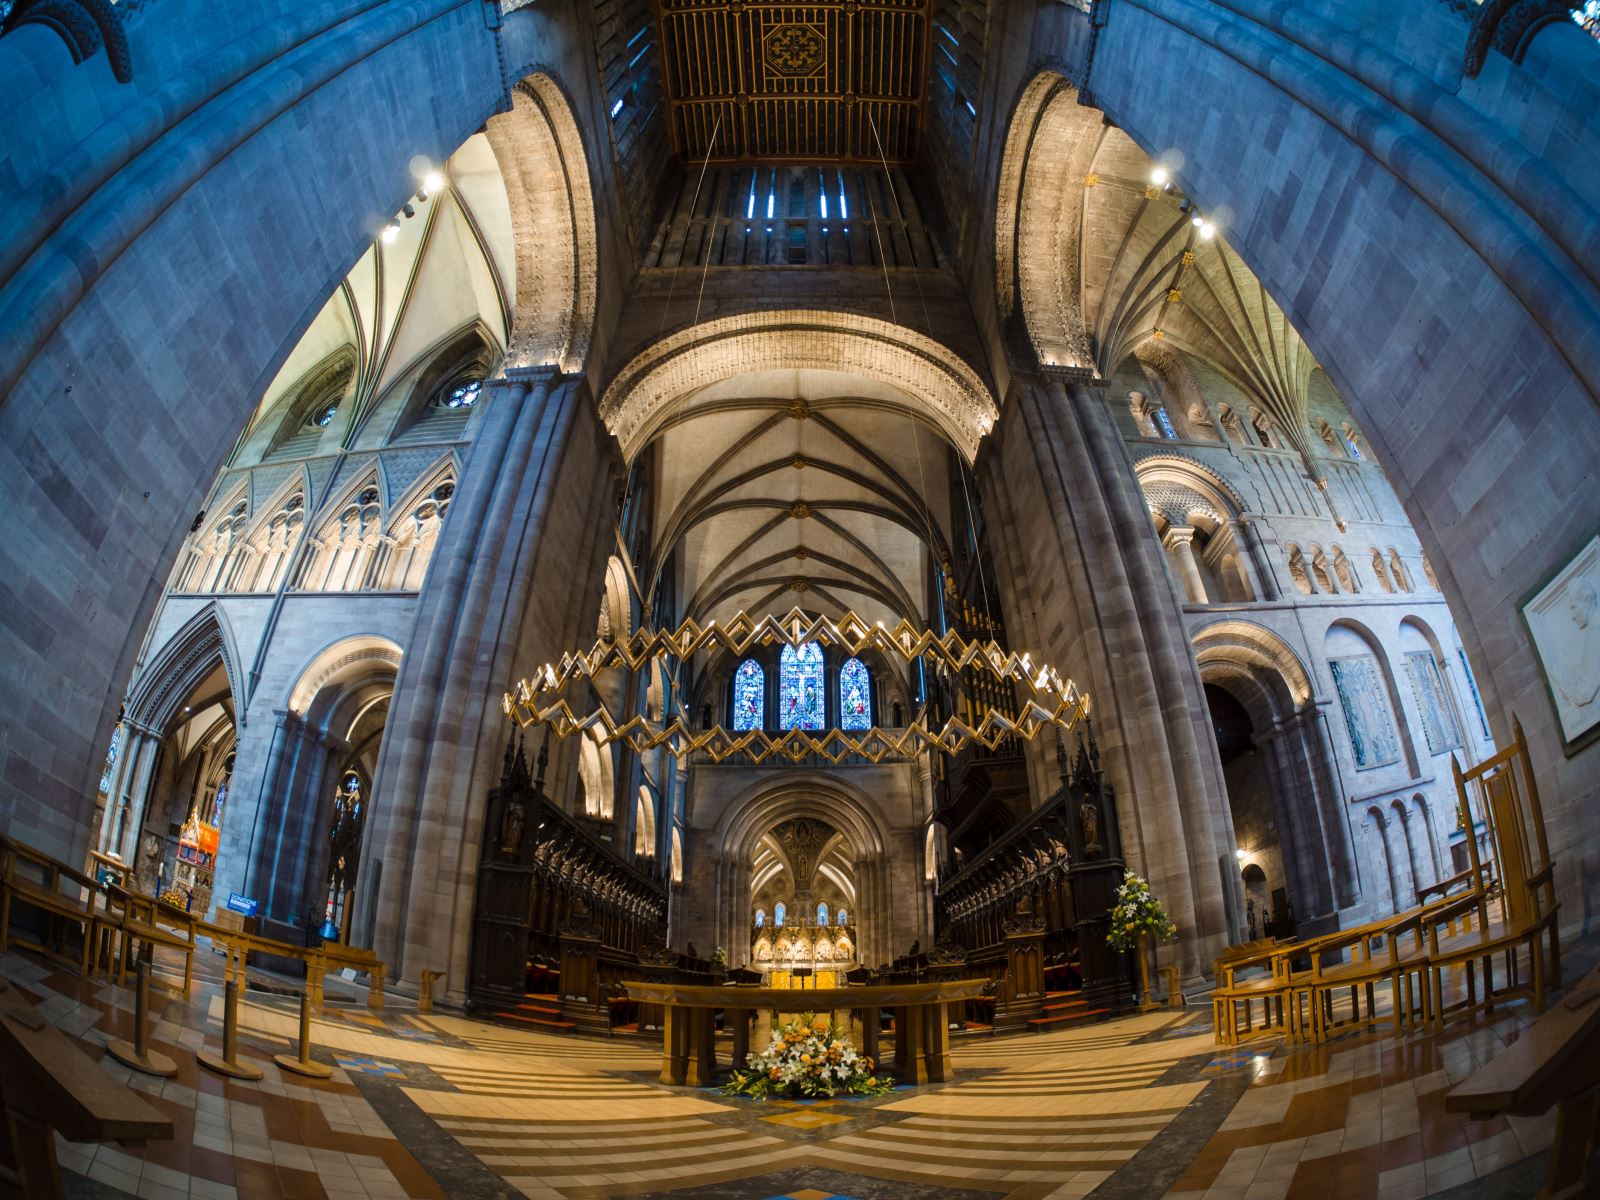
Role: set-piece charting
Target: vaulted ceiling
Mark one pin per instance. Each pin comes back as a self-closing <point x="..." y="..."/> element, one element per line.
<point x="828" y="81"/>
<point x="807" y="488"/>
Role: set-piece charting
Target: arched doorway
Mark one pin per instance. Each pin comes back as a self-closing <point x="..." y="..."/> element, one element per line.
<point x="807" y="840"/>
<point x="168" y="784"/>
<point x="1288" y="815"/>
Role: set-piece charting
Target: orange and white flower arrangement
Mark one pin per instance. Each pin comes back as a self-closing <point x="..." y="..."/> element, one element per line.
<point x="800" y="1061"/>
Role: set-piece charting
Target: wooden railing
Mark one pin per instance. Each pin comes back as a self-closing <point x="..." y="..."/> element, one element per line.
<point x="113" y="922"/>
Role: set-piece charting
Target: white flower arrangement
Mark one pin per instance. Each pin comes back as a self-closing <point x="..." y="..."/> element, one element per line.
<point x="801" y="1061"/>
<point x="1137" y="911"/>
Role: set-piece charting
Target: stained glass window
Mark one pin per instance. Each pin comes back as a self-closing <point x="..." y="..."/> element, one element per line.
<point x="777" y="913"/>
<point x="800" y="687"/>
<point x="843" y="917"/>
<point x="1587" y="15"/>
<point x="822" y="913"/>
<point x="749" y="696"/>
<point x="855" y="696"/>
<point x="463" y="395"/>
<point x="761" y="917"/>
<point x="1164" y="422"/>
<point x="111" y="758"/>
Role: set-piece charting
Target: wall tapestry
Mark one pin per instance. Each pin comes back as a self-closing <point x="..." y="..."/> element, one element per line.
<point x="1438" y="725"/>
<point x="1366" y="710"/>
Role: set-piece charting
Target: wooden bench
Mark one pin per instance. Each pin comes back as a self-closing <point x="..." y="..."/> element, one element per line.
<point x="334" y="956"/>
<point x="1280" y="1012"/>
<point x="1554" y="1061"/>
<point x="63" y="897"/>
<point x="144" y="919"/>
<point x="48" y="1086"/>
<point x="1477" y="942"/>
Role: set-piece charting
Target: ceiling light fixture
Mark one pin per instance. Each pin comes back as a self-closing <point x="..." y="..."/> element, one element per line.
<point x="1051" y="700"/>
<point x="390" y="232"/>
<point x="1160" y="176"/>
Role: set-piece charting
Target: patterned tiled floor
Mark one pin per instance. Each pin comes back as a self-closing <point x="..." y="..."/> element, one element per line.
<point x="444" y="1106"/>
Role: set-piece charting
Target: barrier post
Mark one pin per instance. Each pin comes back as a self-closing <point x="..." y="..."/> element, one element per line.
<point x="302" y="1065"/>
<point x="228" y="1064"/>
<point x="139" y="1056"/>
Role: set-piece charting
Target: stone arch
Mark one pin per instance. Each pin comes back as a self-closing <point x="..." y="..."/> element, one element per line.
<point x="1269" y="680"/>
<point x="1347" y="635"/>
<point x="595" y="779"/>
<point x="1376" y="828"/>
<point x="644" y="823"/>
<point x="181" y="664"/>
<point x="344" y="660"/>
<point x="1050" y="145"/>
<point x="334" y="719"/>
<point x="939" y="387"/>
<point x="616" y="606"/>
<point x="546" y="172"/>
<point x="763" y="806"/>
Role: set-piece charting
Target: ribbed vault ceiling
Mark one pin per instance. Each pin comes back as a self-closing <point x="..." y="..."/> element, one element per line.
<point x="812" y="488"/>
<point x="1149" y="274"/>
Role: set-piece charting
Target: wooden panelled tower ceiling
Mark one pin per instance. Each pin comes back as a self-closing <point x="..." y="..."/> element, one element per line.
<point x="817" y="82"/>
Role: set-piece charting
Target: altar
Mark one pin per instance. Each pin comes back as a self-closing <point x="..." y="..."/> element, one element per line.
<point x="921" y="1021"/>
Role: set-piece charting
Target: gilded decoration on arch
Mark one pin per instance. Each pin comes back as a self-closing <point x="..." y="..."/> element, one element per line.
<point x="1050" y="699"/>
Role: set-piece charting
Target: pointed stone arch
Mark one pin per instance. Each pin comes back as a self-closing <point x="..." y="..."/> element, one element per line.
<point x="182" y="664"/>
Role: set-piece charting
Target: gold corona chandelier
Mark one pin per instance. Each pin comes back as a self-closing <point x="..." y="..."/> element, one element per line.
<point x="1051" y="700"/>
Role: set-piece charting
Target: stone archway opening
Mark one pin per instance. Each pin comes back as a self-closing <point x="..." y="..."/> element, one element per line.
<point x="802" y="881"/>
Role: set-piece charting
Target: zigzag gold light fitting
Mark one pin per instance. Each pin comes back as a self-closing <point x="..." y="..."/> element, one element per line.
<point x="1053" y="701"/>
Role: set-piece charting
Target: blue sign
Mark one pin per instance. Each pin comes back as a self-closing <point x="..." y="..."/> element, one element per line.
<point x="241" y="904"/>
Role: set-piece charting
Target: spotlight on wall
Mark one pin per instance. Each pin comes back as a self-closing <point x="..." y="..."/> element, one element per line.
<point x="1197" y="220"/>
<point x="432" y="182"/>
<point x="409" y="211"/>
<point x="1160" y="176"/>
<point x="1240" y="855"/>
<point x="1208" y="230"/>
<point x="390" y="232"/>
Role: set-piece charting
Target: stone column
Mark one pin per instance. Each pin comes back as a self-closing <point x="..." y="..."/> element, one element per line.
<point x="441" y="692"/>
<point x="1305" y="856"/>
<point x="118" y="800"/>
<point x="1118" y="614"/>
<point x="1317" y="746"/>
<point x="1262" y="577"/>
<point x="137" y="798"/>
<point x="1179" y="540"/>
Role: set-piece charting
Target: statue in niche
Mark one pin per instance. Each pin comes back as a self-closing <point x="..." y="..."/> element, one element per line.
<point x="1250" y="918"/>
<point x="511" y="823"/>
<point x="1089" y="823"/>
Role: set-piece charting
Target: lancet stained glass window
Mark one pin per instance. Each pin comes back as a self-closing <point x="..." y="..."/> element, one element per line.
<point x="749" y="696"/>
<point x="843" y="917"/>
<point x="800" y="687"/>
<point x="822" y="912"/>
<point x="777" y="913"/>
<point x="855" y="696"/>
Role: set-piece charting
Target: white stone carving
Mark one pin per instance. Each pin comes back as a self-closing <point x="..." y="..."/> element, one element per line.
<point x="1564" y="620"/>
